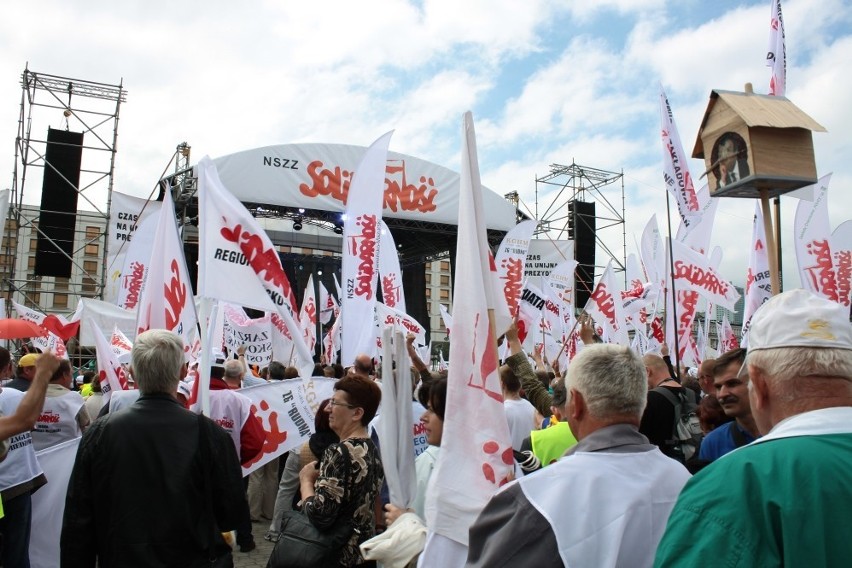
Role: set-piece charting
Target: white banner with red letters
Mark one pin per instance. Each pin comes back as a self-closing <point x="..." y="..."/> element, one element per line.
<point x="112" y="375"/>
<point x="52" y="323"/>
<point x="308" y="314"/>
<point x="510" y="260"/>
<point x="776" y="55"/>
<point x="359" y="267"/>
<point x="126" y="215"/>
<point x="758" y="288"/>
<point x="476" y="453"/>
<point x="284" y="414"/>
<point x="693" y="272"/>
<point x="675" y="167"/>
<point x="814" y="251"/>
<point x="318" y="176"/>
<point x="134" y="271"/>
<point x="606" y="309"/>
<point x="237" y="261"/>
<point x="400" y="321"/>
<point x="327" y="304"/>
<point x="841" y="245"/>
<point x="166" y="301"/>
<point x="390" y="274"/>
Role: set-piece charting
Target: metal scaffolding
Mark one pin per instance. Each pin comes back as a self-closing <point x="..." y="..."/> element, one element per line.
<point x="577" y="183"/>
<point x="87" y="107"/>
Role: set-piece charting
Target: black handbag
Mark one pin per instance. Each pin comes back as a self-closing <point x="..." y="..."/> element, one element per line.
<point x="302" y="545"/>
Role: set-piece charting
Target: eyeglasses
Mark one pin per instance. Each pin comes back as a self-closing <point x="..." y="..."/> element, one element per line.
<point x="335" y="403"/>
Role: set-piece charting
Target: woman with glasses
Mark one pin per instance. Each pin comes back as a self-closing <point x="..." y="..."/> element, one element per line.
<point x="345" y="484"/>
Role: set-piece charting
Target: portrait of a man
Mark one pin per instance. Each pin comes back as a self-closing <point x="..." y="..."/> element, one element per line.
<point x="729" y="159"/>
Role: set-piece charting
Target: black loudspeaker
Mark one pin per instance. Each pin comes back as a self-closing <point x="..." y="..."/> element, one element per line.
<point x="58" y="217"/>
<point x="414" y="285"/>
<point x="582" y="221"/>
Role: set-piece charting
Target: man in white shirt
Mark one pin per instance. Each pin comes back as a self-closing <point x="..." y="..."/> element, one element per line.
<point x="64" y="415"/>
<point x="606" y="502"/>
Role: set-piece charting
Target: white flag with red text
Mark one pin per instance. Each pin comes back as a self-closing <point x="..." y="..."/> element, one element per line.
<point x="758" y="288"/>
<point x="404" y="323"/>
<point x="727" y="339"/>
<point x="308" y="314"/>
<point x="359" y="270"/>
<point x="476" y="452"/>
<point x="446" y="318"/>
<point x="693" y="272"/>
<point x="776" y="55"/>
<point x="510" y="260"/>
<point x="54" y="324"/>
<point x="127" y="215"/>
<point x="653" y="252"/>
<point x="390" y="274"/>
<point x="166" y="301"/>
<point x="134" y="270"/>
<point x="327" y="304"/>
<point x="237" y="261"/>
<point x="841" y="246"/>
<point x="284" y="414"/>
<point x="121" y="346"/>
<point x="110" y="371"/>
<point x="814" y="251"/>
<point x="606" y="309"/>
<point x="675" y="167"/>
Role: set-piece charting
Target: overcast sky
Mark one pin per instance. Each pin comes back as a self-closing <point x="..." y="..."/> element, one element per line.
<point x="547" y="81"/>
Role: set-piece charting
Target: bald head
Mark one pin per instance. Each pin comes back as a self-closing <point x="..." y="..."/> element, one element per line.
<point x="656" y="369"/>
<point x="364" y="364"/>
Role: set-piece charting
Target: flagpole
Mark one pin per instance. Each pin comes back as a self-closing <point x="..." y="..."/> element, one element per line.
<point x="674" y="294"/>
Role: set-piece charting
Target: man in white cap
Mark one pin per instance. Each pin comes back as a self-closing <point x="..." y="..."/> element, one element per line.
<point x="785" y="499"/>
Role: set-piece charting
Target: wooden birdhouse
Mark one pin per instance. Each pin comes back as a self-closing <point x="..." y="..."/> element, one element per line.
<point x="755" y="142"/>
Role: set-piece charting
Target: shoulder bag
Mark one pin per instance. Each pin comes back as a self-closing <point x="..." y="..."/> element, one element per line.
<point x="302" y="545"/>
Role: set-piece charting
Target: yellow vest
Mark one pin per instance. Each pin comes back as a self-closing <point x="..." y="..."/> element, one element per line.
<point x="549" y="444"/>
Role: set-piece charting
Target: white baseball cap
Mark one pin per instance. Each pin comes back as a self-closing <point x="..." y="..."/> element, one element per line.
<point x="799" y="318"/>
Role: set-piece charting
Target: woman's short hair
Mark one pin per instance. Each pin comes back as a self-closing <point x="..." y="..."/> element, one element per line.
<point x="438" y="397"/>
<point x="363" y="393"/>
<point x="321" y="423"/>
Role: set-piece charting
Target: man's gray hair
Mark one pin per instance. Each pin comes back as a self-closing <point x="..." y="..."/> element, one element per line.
<point x="784" y="364"/>
<point x="612" y="380"/>
<point x="234" y="369"/>
<point x="156" y="359"/>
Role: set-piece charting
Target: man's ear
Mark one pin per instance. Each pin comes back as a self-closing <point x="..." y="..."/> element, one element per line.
<point x="183" y="371"/>
<point x="577" y="405"/>
<point x="760" y="393"/>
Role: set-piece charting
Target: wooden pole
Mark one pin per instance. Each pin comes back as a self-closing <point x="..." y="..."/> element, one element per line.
<point x="771" y="245"/>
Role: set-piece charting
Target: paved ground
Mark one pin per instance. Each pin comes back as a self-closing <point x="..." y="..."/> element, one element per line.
<point x="256" y="558"/>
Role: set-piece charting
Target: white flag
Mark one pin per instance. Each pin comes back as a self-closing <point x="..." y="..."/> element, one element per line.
<point x="841" y="245"/>
<point x="605" y="307"/>
<point x="813" y="244"/>
<point x="166" y="301"/>
<point x="111" y="373"/>
<point x="359" y="269"/>
<point x="758" y="288"/>
<point x="126" y="216"/>
<point x="776" y="56"/>
<point x="134" y="270"/>
<point x="308" y="314"/>
<point x="694" y="272"/>
<point x="476" y="453"/>
<point x="237" y="261"/>
<point x="675" y="167"/>
<point x="510" y="260"/>
<point x="390" y="274"/>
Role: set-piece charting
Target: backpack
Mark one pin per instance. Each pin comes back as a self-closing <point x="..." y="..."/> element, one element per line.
<point x="686" y="430"/>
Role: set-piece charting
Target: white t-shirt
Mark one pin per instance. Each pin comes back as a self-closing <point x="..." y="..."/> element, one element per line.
<point x="520" y="414"/>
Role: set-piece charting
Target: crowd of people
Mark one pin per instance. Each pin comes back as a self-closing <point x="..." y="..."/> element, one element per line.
<point x="622" y="460"/>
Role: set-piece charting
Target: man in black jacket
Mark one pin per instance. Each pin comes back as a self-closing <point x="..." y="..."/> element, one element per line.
<point x="154" y="482"/>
